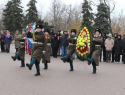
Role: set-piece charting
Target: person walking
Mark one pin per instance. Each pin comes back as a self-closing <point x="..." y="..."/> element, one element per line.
<point x="72" y="39"/>
<point x="17" y="42"/>
<point x="94" y="60"/>
<point x="20" y="54"/>
<point x="109" y="43"/>
<point x="46" y="57"/>
<point x="38" y="48"/>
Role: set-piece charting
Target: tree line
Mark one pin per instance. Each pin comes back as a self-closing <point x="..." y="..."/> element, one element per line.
<point x="61" y="16"/>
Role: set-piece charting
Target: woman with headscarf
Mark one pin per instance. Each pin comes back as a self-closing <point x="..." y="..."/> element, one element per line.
<point x="55" y="45"/>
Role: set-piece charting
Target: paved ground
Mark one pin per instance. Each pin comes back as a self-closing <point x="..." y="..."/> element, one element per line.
<point x="57" y="80"/>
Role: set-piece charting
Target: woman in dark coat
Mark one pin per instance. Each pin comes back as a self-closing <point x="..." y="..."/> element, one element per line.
<point x="2" y="41"/>
<point x="118" y="48"/>
<point x="123" y="47"/>
<point x="59" y="39"/>
<point x="55" y="45"/>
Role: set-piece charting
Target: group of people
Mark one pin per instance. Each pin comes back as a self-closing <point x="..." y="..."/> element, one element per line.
<point x="113" y="46"/>
<point x="6" y="40"/>
<point x="43" y="41"/>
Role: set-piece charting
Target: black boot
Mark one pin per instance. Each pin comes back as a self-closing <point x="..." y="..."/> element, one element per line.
<point x="46" y="65"/>
<point x="63" y="59"/>
<point x="29" y="66"/>
<point x="89" y="62"/>
<point x="37" y="74"/>
<point x="71" y="66"/>
<point x="22" y="63"/>
<point x="22" y="66"/>
<point x="13" y="58"/>
<point x="94" y="68"/>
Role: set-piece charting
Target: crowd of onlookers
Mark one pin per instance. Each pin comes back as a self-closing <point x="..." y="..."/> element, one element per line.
<point x="5" y="41"/>
<point x="113" y="46"/>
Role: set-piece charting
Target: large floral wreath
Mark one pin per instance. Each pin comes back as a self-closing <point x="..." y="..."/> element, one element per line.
<point x="83" y="43"/>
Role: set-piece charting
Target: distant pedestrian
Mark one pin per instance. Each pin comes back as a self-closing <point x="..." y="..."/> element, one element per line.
<point x="8" y="41"/>
<point x="2" y="36"/>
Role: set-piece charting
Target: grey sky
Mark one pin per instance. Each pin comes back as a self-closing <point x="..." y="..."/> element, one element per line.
<point x="45" y="4"/>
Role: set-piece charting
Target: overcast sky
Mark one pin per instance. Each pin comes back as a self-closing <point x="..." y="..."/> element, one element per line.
<point x="45" y="4"/>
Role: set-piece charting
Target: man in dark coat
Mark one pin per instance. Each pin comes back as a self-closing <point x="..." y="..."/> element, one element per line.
<point x="64" y="43"/>
<point x="113" y="50"/>
<point x="118" y="48"/>
<point x="123" y="47"/>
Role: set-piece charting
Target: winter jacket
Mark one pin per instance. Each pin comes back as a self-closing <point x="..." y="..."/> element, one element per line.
<point x="55" y="42"/>
<point x="59" y="38"/>
<point x="118" y="46"/>
<point x="52" y="33"/>
<point x="109" y="43"/>
<point x="8" y="39"/>
<point x="2" y="37"/>
<point x="64" y="40"/>
<point x="123" y="44"/>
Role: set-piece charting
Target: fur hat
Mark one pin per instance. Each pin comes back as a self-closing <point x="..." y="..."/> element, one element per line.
<point x="39" y="26"/>
<point x="73" y="30"/>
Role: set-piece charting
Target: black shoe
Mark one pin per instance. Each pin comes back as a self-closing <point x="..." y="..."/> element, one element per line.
<point x="29" y="66"/>
<point x="93" y="72"/>
<point x="37" y="74"/>
<point x="71" y="70"/>
<point x="13" y="58"/>
<point x="45" y="68"/>
<point x="89" y="62"/>
<point x="22" y="66"/>
<point x="64" y="60"/>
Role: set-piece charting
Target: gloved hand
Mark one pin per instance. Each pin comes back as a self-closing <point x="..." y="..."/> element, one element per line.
<point x="44" y="52"/>
<point x="75" y="37"/>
